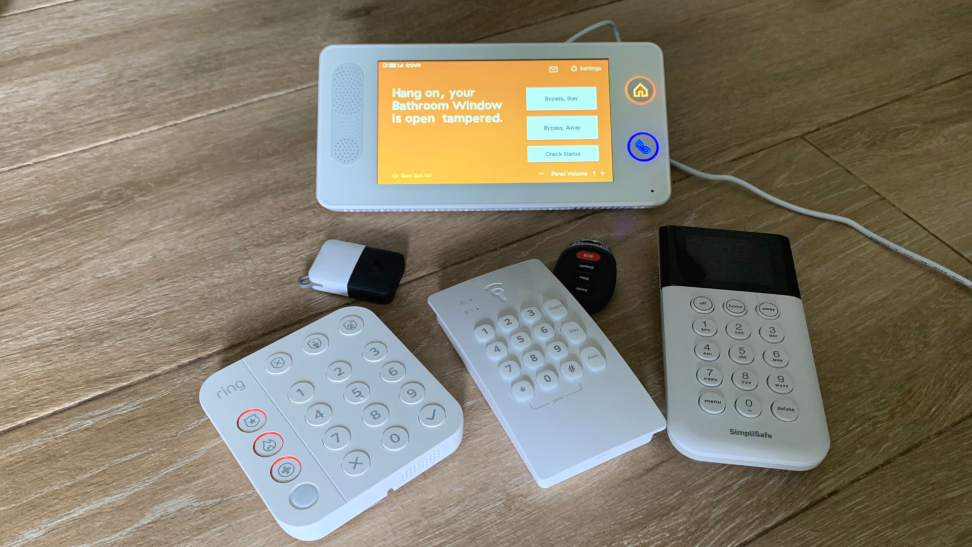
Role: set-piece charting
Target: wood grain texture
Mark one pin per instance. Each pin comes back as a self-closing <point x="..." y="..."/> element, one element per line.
<point x="918" y="153"/>
<point x="114" y="68"/>
<point x="127" y="260"/>
<point x="749" y="75"/>
<point x="922" y="498"/>
<point x="174" y="483"/>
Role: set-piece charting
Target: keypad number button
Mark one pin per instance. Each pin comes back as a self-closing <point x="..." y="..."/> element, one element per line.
<point x="356" y="393"/>
<point x="485" y="333"/>
<point x="573" y="332"/>
<point x="735" y="308"/>
<point x="318" y="415"/>
<point x="522" y="391"/>
<point x="776" y="358"/>
<point x="557" y="350"/>
<point x="411" y="393"/>
<point x="497" y="350"/>
<point x="337" y="438"/>
<point x="749" y="407"/>
<point x="432" y="415"/>
<point x="767" y="310"/>
<point x="547" y="380"/>
<point x="301" y="392"/>
<point x="268" y="444"/>
<point x="315" y="343"/>
<point x="737" y="330"/>
<point x="707" y="351"/>
<point x="530" y="315"/>
<point x="375" y="414"/>
<point x="702" y="304"/>
<point x="392" y="372"/>
<point x="279" y="363"/>
<point x="593" y="359"/>
<point x="508" y="323"/>
<point x="712" y="402"/>
<point x="374" y="352"/>
<point x="741" y="354"/>
<point x="509" y="369"/>
<point x="704" y="327"/>
<point x="780" y="383"/>
<point x="285" y="469"/>
<point x="555" y="309"/>
<point x="394" y="438"/>
<point x="709" y="376"/>
<point x="543" y="332"/>
<point x="533" y="359"/>
<point x="520" y="341"/>
<point x="571" y="371"/>
<point x="252" y="420"/>
<point x="771" y="333"/>
<point x="744" y="380"/>
<point x="338" y="371"/>
<point x="355" y="463"/>
<point x="785" y="410"/>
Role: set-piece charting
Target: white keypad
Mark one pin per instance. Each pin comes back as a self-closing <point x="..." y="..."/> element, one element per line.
<point x="285" y="469"/>
<point x="301" y="392"/>
<point x="337" y="438"/>
<point x="314" y="344"/>
<point x="573" y="332"/>
<point x="741" y="354"/>
<point x="394" y="438"/>
<point x="707" y="351"/>
<point x="785" y="410"/>
<point x="357" y="392"/>
<point x="355" y="463"/>
<point x="523" y="391"/>
<point x="593" y="359"/>
<point x="776" y="357"/>
<point x="534" y="359"/>
<point x="772" y="333"/>
<point x="744" y="380"/>
<point x="318" y="414"/>
<point x="374" y="352"/>
<point x="496" y="350"/>
<point x="520" y="341"/>
<point x="392" y="372"/>
<point x="571" y="370"/>
<point x="412" y="393"/>
<point x="543" y="332"/>
<point x="702" y="304"/>
<point x="709" y="376"/>
<point x="712" y="402"/>
<point x="748" y="407"/>
<point x="555" y="309"/>
<point x="780" y="382"/>
<point x="268" y="444"/>
<point x="547" y="379"/>
<point x="705" y="327"/>
<point x="485" y="333"/>
<point x="530" y="315"/>
<point x="251" y="420"/>
<point x="508" y="323"/>
<point x="432" y="416"/>
<point x="738" y="330"/>
<point x="375" y="414"/>
<point x="279" y="363"/>
<point x="556" y="350"/>
<point x="767" y="310"/>
<point x="509" y="369"/>
<point x="735" y="308"/>
<point x="338" y="371"/>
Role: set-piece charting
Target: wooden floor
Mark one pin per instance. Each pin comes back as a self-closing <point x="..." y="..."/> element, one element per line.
<point x="157" y="166"/>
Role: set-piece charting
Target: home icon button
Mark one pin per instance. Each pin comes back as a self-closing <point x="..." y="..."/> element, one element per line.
<point x="640" y="90"/>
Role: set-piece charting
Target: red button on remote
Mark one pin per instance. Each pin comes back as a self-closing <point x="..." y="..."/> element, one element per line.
<point x="588" y="256"/>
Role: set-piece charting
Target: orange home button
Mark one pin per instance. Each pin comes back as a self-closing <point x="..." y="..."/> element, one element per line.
<point x="640" y="90"/>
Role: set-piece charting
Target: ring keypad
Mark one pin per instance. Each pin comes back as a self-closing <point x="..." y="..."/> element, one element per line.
<point x="743" y="371"/>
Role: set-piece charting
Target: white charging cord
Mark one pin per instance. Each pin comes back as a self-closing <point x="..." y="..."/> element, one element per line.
<point x="795" y="208"/>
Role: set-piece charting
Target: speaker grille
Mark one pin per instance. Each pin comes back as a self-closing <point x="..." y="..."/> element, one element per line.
<point x="347" y="113"/>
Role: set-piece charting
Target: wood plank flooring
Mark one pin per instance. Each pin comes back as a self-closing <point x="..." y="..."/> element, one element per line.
<point x="156" y="206"/>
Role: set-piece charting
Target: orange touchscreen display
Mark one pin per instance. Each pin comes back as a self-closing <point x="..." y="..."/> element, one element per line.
<point x="476" y="122"/>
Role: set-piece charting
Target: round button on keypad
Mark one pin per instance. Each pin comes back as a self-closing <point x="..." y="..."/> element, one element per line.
<point x="709" y="376"/>
<point x="394" y="438"/>
<point x="702" y="304"/>
<point x="350" y="325"/>
<point x="557" y="350"/>
<point x="741" y="354"/>
<point x="497" y="350"/>
<point x="301" y="392"/>
<point x="749" y="407"/>
<point x="285" y="469"/>
<point x="735" y="308"/>
<point x="411" y="393"/>
<point x="571" y="370"/>
<point x="251" y="420"/>
<point x="785" y="410"/>
<point x="304" y="496"/>
<point x="530" y="315"/>
<point x="338" y="371"/>
<point x="509" y="369"/>
<point x="547" y="380"/>
<point x="543" y="332"/>
<point x="704" y="327"/>
<point x="318" y="415"/>
<point x="375" y="415"/>
<point x="772" y="333"/>
<point x="337" y="438"/>
<point x="374" y="352"/>
<point x="356" y="393"/>
<point x="780" y="382"/>
<point x="315" y="343"/>
<point x="355" y="463"/>
<point x="712" y="402"/>
<point x="776" y="358"/>
<point x="522" y="391"/>
<point x="432" y="415"/>
<point x="508" y="323"/>
<point x="767" y="310"/>
<point x="738" y="330"/>
<point x="744" y="380"/>
<point x="268" y="444"/>
<point x="484" y="333"/>
<point x="392" y="372"/>
<point x="534" y="359"/>
<point x="707" y="351"/>
<point x="520" y="341"/>
<point x="279" y="363"/>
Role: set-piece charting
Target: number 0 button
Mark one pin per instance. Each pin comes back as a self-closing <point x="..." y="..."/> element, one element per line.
<point x="412" y="393"/>
<point x="374" y="352"/>
<point x="356" y="392"/>
<point x="394" y="438"/>
<point x="432" y="415"/>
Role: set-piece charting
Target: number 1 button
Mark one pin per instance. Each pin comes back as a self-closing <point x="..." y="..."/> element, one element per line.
<point x="432" y="415"/>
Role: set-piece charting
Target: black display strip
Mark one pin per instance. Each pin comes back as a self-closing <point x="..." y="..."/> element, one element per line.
<point x="726" y="259"/>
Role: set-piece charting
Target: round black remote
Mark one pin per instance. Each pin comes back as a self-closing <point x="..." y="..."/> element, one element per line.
<point x="588" y="270"/>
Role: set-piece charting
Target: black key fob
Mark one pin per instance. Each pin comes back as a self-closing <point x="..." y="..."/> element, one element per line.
<point x="588" y="270"/>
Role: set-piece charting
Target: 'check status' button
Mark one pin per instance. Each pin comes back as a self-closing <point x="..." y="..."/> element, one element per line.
<point x="643" y="147"/>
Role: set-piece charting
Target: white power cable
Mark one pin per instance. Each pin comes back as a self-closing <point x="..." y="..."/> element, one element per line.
<point x="795" y="208"/>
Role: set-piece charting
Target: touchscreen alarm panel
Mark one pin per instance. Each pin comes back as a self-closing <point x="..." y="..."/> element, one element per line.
<point x="505" y="126"/>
